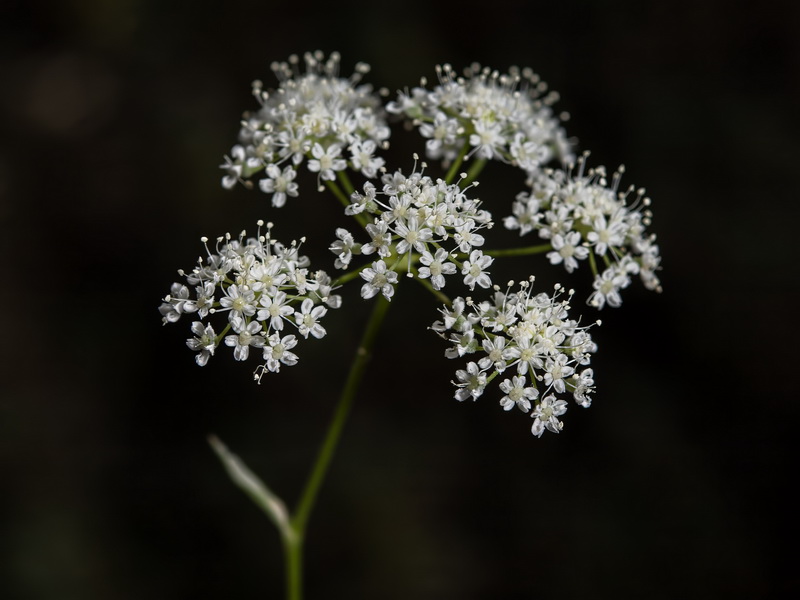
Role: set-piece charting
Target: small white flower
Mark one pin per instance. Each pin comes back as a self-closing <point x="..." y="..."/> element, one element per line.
<point x="466" y="238"/>
<point x="471" y="382"/>
<point x="277" y="352"/>
<point x="412" y="236"/>
<point x="567" y="249"/>
<point x="556" y="369"/>
<point x="307" y="318"/>
<point x="358" y="202"/>
<point x="487" y="138"/>
<point x="204" y="342"/>
<point x="607" y="286"/>
<point x="546" y="415"/>
<point x="247" y="335"/>
<point x="363" y="160"/>
<point x="176" y="304"/>
<point x="380" y="239"/>
<point x="275" y="310"/>
<point x="583" y="386"/>
<point x="342" y="248"/>
<point x="605" y="234"/>
<point x="205" y="298"/>
<point x="378" y="279"/>
<point x="241" y="302"/>
<point x="517" y="394"/>
<point x="497" y="354"/>
<point x="474" y="270"/>
<point x="279" y="183"/>
<point x="326" y="161"/>
<point x="436" y="266"/>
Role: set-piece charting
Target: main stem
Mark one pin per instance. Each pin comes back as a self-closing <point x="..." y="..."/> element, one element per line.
<point x="293" y="539"/>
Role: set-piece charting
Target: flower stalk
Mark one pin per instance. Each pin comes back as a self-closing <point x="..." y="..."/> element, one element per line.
<point x="292" y="527"/>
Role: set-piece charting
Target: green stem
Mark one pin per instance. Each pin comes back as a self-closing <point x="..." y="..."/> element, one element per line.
<point x="474" y="170"/>
<point x="592" y="262"/>
<point x="293" y="554"/>
<point x="441" y="296"/>
<point x="345" y="181"/>
<point x="527" y="251"/>
<point x="451" y="174"/>
<point x="337" y="191"/>
<point x="294" y="545"/>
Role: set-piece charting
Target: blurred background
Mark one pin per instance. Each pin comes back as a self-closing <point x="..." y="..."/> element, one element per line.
<point x="677" y="483"/>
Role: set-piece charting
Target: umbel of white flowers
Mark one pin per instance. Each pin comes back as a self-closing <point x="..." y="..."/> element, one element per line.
<point x="264" y="296"/>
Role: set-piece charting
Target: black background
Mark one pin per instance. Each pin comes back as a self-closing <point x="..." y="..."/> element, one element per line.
<point x="677" y="483"/>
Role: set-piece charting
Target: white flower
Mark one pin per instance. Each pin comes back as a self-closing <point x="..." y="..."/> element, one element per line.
<point x="363" y="160"/>
<point x="342" y="248"/>
<point x="233" y="166"/>
<point x="583" y="386"/>
<point x="474" y="270"/>
<point x="567" y="249"/>
<point x="359" y="203"/>
<point x="517" y="394"/>
<point x="241" y="302"/>
<point x="307" y="318"/>
<point x="607" y="286"/>
<point x="326" y="161"/>
<point x="277" y="352"/>
<point x="471" y="382"/>
<point x="487" y="138"/>
<point x="275" y="310"/>
<point x="497" y="354"/>
<point x="556" y="369"/>
<point x="412" y="236"/>
<point x="436" y="266"/>
<point x="266" y="276"/>
<point x="605" y="234"/>
<point x="380" y="239"/>
<point x="247" y="335"/>
<point x="526" y="211"/>
<point x="378" y="279"/>
<point x="279" y="183"/>
<point x="442" y="133"/>
<point x="546" y="415"/>
<point x="204" y="342"/>
<point x="205" y="298"/>
<point x="466" y="238"/>
<point x="176" y="304"/>
<point x="526" y="356"/>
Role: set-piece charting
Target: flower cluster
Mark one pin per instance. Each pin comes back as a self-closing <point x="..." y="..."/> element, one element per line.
<point x="531" y="337"/>
<point x="261" y="285"/>
<point x="331" y="122"/>
<point x="425" y="227"/>
<point x="505" y="117"/>
<point x="587" y="219"/>
<point x="410" y="219"/>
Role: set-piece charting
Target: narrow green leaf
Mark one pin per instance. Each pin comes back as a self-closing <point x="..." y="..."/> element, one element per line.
<point x="248" y="482"/>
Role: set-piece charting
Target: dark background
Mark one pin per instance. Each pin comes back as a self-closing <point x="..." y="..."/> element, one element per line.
<point x="677" y="483"/>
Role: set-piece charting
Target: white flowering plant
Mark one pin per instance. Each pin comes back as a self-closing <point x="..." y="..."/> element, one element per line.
<point x="260" y="297"/>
